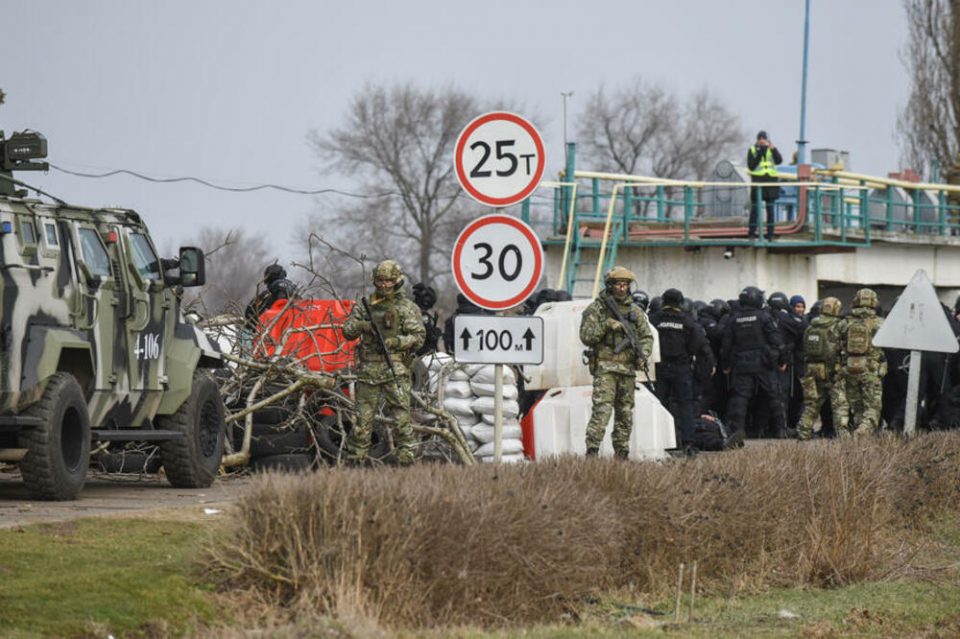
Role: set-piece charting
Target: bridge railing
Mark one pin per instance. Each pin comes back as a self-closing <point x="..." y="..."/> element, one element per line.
<point x="828" y="207"/>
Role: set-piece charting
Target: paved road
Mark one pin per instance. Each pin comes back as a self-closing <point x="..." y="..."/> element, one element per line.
<point x="116" y="495"/>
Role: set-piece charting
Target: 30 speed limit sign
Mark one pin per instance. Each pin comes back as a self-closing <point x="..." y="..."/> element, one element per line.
<point x="499" y="159"/>
<point x="497" y="262"/>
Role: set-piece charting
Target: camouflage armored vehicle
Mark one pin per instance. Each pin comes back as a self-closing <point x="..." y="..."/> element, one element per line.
<point x="93" y="346"/>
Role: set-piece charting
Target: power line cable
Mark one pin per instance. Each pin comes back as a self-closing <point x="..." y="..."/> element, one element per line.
<point x="246" y="189"/>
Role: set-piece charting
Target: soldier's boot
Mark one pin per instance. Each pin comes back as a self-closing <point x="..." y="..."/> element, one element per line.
<point x="623" y="454"/>
<point x="593" y="452"/>
<point x="735" y="440"/>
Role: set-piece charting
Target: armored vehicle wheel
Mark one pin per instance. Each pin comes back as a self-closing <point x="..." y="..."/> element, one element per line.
<point x="58" y="450"/>
<point x="192" y="462"/>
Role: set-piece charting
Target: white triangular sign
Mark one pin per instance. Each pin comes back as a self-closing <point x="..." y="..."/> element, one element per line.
<point x="917" y="321"/>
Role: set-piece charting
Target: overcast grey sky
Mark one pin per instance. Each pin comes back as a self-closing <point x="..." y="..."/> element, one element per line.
<point x="227" y="90"/>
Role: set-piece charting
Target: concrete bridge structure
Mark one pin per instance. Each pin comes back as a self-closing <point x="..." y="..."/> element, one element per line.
<point x="836" y="232"/>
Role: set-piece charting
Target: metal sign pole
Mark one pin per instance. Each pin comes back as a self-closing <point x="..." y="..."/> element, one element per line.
<point x="497" y="412"/>
<point x="913" y="392"/>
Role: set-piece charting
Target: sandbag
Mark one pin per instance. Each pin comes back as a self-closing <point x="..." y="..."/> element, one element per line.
<point x="459" y="406"/>
<point x="434" y="361"/>
<point x="473" y="369"/>
<point x="457" y="389"/>
<point x="484" y="433"/>
<point x="487" y="390"/>
<point x="458" y="375"/>
<point x="484" y="406"/>
<point x="468" y="420"/>
<point x="510" y="447"/>
<point x="487" y="374"/>
<point x="507" y="421"/>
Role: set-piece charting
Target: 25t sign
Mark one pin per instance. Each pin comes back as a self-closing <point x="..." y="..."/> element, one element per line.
<point x="497" y="261"/>
<point x="499" y="158"/>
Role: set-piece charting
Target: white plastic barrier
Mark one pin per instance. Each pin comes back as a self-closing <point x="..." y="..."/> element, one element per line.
<point x="560" y="425"/>
<point x="563" y="351"/>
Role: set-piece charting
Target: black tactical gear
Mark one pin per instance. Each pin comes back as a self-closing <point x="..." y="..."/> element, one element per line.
<point x="752" y="297"/>
<point x="778" y="301"/>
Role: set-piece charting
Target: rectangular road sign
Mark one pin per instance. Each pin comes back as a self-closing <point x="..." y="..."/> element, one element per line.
<point x="493" y="339"/>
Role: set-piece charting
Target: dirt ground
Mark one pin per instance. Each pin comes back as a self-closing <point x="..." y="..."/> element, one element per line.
<point x="106" y="495"/>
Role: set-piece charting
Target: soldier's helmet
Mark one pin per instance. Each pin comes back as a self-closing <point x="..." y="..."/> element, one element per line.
<point x="619" y="273"/>
<point x="751" y="297"/>
<point x="866" y="298"/>
<point x="388" y="270"/>
<point x="778" y="301"/>
<point x="273" y="273"/>
<point x="641" y="299"/>
<point x="721" y="307"/>
<point x="831" y="306"/>
<point x="672" y="297"/>
<point x="656" y="304"/>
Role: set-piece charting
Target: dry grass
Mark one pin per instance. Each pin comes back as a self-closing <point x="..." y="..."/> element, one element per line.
<point x="437" y="545"/>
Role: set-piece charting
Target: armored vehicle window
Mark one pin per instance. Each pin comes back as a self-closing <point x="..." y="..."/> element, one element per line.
<point x="50" y="230"/>
<point x="144" y="258"/>
<point x="94" y="255"/>
<point x="27" y="232"/>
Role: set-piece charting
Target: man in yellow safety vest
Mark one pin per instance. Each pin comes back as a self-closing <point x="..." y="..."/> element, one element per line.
<point x="762" y="160"/>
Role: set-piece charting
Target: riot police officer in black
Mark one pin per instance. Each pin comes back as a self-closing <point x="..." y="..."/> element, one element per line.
<point x="791" y="327"/>
<point x="681" y="339"/>
<point x="752" y="351"/>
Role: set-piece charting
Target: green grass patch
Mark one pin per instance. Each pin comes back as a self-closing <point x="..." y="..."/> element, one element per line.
<point x="102" y="576"/>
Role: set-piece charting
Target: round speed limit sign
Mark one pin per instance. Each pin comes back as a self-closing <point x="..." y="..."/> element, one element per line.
<point x="497" y="262"/>
<point x="499" y="159"/>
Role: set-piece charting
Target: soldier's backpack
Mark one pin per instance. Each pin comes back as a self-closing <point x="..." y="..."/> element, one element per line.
<point x="819" y="344"/>
<point x="859" y="334"/>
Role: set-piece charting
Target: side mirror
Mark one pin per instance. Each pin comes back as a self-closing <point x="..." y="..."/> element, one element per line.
<point x="192" y="268"/>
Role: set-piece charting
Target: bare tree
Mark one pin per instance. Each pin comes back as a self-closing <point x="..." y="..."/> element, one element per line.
<point x="234" y="264"/>
<point x="929" y="124"/>
<point x="645" y="129"/>
<point x="398" y="142"/>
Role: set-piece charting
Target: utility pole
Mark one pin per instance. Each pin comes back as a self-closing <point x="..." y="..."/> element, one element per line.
<point x="565" y="95"/>
<point x="802" y="142"/>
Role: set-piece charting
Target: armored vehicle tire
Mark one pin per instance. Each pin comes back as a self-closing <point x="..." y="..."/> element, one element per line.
<point x="290" y="463"/>
<point x="329" y="440"/>
<point x="270" y="440"/>
<point x="193" y="461"/>
<point x="58" y="450"/>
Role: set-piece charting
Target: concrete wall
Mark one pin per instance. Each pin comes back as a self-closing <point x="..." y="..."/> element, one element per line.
<point x="705" y="274"/>
<point x="702" y="274"/>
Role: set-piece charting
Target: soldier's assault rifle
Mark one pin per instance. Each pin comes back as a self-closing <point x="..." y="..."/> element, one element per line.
<point x="382" y="342"/>
<point x="630" y="339"/>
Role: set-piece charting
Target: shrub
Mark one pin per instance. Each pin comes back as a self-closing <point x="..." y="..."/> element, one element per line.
<point x="436" y="545"/>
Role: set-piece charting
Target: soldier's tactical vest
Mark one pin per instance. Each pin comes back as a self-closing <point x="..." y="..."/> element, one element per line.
<point x="859" y="334"/>
<point x="819" y="343"/>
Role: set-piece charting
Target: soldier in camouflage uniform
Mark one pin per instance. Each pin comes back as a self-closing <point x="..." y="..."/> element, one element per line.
<point x="399" y="322"/>
<point x="864" y="365"/>
<point x="613" y="360"/>
<point x="821" y="347"/>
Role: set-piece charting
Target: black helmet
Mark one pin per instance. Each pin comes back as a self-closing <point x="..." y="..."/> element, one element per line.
<point x="273" y="272"/>
<point x="698" y="306"/>
<point x="424" y="296"/>
<point x="751" y="297"/>
<point x="687" y="306"/>
<point x="672" y="297"/>
<point x="641" y="299"/>
<point x="721" y="307"/>
<point x="656" y="304"/>
<point x="778" y="301"/>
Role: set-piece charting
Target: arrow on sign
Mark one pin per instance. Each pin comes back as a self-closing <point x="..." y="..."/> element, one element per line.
<point x="465" y="335"/>
<point x="528" y="338"/>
